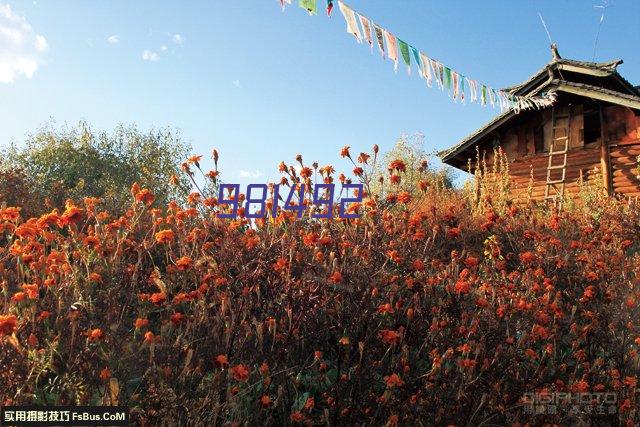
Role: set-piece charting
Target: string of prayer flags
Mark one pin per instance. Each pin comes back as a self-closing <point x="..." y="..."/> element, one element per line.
<point x="350" y="18"/>
<point x="366" y="29"/>
<point x="310" y="6"/>
<point x="404" y="50"/>
<point x="392" y="48"/>
<point x="428" y="68"/>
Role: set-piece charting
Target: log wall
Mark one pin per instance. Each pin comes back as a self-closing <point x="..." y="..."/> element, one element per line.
<point x="528" y="169"/>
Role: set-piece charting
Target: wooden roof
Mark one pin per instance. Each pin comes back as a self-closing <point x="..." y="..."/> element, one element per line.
<point x="599" y="81"/>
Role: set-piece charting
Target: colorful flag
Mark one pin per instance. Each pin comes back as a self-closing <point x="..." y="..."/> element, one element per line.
<point x="416" y="57"/>
<point x="310" y="6"/>
<point x="426" y="68"/>
<point x="392" y="48"/>
<point x="329" y="7"/>
<point x="484" y="95"/>
<point x="492" y="96"/>
<point x="379" y="38"/>
<point x="435" y="66"/>
<point x="473" y="89"/>
<point x="447" y="77"/>
<point x="350" y="18"/>
<point x="456" y="84"/>
<point x="282" y="2"/>
<point x="462" y="89"/>
<point x="404" y="49"/>
<point x="366" y="29"/>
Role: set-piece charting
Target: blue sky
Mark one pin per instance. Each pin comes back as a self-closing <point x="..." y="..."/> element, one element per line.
<point x="262" y="85"/>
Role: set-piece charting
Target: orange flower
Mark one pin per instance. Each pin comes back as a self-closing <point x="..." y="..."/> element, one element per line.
<point x="385" y="309"/>
<point x="306" y="172"/>
<point x="72" y="213"/>
<point x="462" y="287"/>
<point x="527" y="257"/>
<point x="471" y="261"/>
<point x="10" y="214"/>
<point x="8" y="324"/>
<point x="95" y="334"/>
<point x="18" y="296"/>
<point x="309" y="404"/>
<point x="31" y="290"/>
<point x="280" y="264"/>
<point x="95" y="277"/>
<point x="177" y="318"/>
<point x="393" y="380"/>
<point x="630" y="382"/>
<point x="195" y="160"/>
<point x="580" y="387"/>
<point x="389" y="336"/>
<point x="149" y="337"/>
<point x="296" y="417"/>
<point x="240" y="372"/>
<point x="344" y="341"/>
<point x="164" y="236"/>
<point x="105" y="374"/>
<point x="265" y="401"/>
<point x="141" y="323"/>
<point x="336" y="277"/>
<point x="363" y="158"/>
<point x="404" y="197"/>
<point x="145" y="196"/>
<point x="91" y="241"/>
<point x="184" y="263"/>
<point x="158" y="298"/>
<point x="345" y="151"/>
<point x="221" y="360"/>
<point x="398" y="165"/>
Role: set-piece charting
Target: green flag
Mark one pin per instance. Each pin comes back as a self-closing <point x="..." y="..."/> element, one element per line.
<point x="447" y="77"/>
<point x="404" y="49"/>
<point x="484" y="95"/>
<point x="309" y="5"/>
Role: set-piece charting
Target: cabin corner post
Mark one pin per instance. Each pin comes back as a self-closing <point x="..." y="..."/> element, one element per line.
<point x="605" y="158"/>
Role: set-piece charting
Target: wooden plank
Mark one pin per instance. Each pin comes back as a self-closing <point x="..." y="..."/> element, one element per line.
<point x="590" y="93"/>
<point x="605" y="160"/>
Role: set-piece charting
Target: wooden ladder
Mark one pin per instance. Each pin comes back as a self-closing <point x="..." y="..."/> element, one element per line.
<point x="558" y="148"/>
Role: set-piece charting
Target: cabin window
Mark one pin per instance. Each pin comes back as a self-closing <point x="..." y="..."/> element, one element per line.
<point x="538" y="139"/>
<point x="592" y="126"/>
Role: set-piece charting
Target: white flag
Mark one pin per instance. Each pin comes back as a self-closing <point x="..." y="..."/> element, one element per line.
<point x="426" y="68"/>
<point x="352" y="23"/>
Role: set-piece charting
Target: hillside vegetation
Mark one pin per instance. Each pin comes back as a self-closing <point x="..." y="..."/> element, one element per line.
<point x="437" y="306"/>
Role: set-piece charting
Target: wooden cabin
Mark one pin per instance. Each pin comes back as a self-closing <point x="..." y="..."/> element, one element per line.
<point x="591" y="133"/>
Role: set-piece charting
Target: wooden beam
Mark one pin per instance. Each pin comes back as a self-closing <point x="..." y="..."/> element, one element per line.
<point x="595" y="94"/>
<point x="605" y="158"/>
<point x="584" y="70"/>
